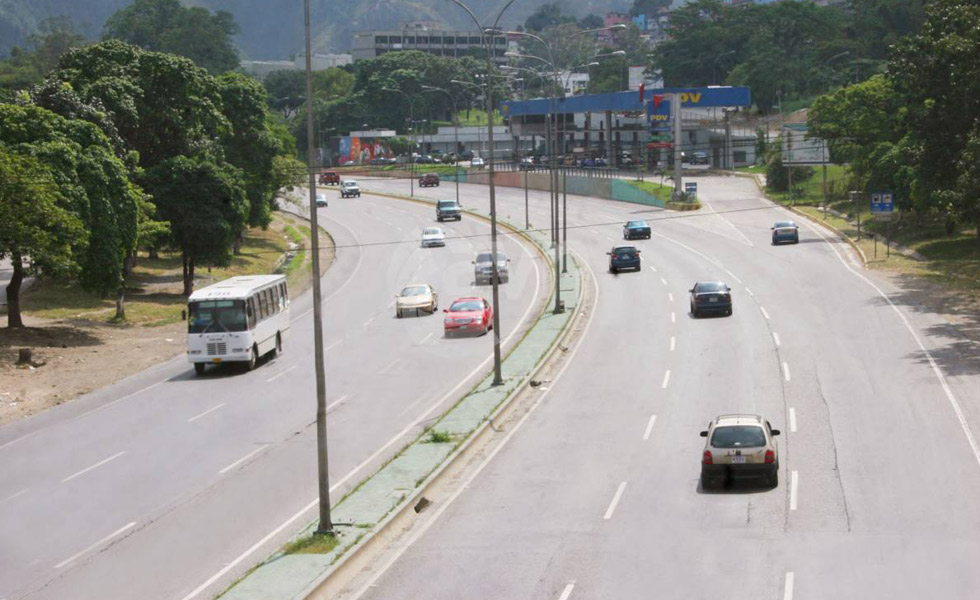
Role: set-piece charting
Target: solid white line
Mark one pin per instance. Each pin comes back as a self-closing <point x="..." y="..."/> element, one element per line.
<point x="210" y="410"/>
<point x="793" y="484"/>
<point x="670" y="296"/>
<point x="115" y="533"/>
<point x="792" y="420"/>
<point x="775" y="338"/>
<point x="749" y="292"/>
<point x="764" y="313"/>
<point x="649" y="429"/>
<point x="15" y="495"/>
<point x="615" y="501"/>
<point x="673" y="317"/>
<point x="672" y="340"/>
<point x="425" y="339"/>
<point x="391" y="365"/>
<point x="336" y="402"/>
<point x="274" y="377"/>
<point x="95" y="466"/>
<point x="567" y="591"/>
<point x="243" y="459"/>
<point x="664" y="281"/>
<point x="788" y="586"/>
<point x="666" y="379"/>
<point x="390" y="304"/>
<point x="786" y="370"/>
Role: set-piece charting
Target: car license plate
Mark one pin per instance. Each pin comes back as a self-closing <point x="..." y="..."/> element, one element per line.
<point x="738" y="460"/>
<point x="712" y="299"/>
<point x="215" y="360"/>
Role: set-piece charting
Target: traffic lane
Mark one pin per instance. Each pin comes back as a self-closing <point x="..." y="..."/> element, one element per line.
<point x="231" y="429"/>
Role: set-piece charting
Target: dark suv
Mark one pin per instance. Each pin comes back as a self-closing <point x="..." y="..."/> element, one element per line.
<point x="428" y="180"/>
<point x="448" y="209"/>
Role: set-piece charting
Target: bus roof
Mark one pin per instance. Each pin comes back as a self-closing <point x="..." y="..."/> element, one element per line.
<point x="236" y="287"/>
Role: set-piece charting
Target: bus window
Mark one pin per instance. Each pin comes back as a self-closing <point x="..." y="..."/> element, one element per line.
<point x="251" y="313"/>
<point x="264" y="303"/>
<point x="276" y="305"/>
<point x="285" y="293"/>
<point x="216" y="315"/>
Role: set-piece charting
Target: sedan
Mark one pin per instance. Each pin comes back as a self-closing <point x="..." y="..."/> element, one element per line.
<point x="624" y="257"/>
<point x="478" y="163"/>
<point x="739" y="446"/>
<point x="636" y="229"/>
<point x="785" y="231"/>
<point x="468" y="315"/>
<point x="416" y="297"/>
<point x="433" y="236"/>
<point x="711" y="296"/>
<point x="321" y="199"/>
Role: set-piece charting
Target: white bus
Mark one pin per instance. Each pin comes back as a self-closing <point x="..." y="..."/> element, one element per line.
<point x="237" y="320"/>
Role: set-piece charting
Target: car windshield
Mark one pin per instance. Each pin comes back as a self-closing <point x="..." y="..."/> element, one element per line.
<point x="711" y="286"/>
<point x="624" y="250"/>
<point x="447" y="204"/>
<point x="738" y="436"/>
<point x="466" y="306"/>
<point x="431" y="231"/>
<point x="208" y="316"/>
<point x="785" y="224"/>
<point x="637" y="224"/>
<point x="415" y="290"/>
<point x="484" y="257"/>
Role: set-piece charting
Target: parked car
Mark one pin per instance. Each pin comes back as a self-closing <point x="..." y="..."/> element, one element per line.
<point x="739" y="446"/>
<point x="698" y="158"/>
<point x="433" y="236"/>
<point x="483" y="268"/>
<point x="477" y="163"/>
<point x="624" y="257"/>
<point x="526" y="163"/>
<point x="468" y="315"/>
<point x="321" y="199"/>
<point x="329" y="178"/>
<point x="711" y="296"/>
<point x="349" y="188"/>
<point x="636" y="229"/>
<point x="448" y="209"/>
<point x="416" y="297"/>
<point x="785" y="231"/>
<point x="429" y="180"/>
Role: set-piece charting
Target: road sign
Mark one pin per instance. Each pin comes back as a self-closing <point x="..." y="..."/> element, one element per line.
<point x="660" y="137"/>
<point x="798" y="149"/>
<point x="660" y="145"/>
<point x="882" y="205"/>
<point x="691" y="188"/>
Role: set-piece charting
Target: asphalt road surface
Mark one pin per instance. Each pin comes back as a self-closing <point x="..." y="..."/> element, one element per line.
<point x="169" y="486"/>
<point x="597" y="496"/>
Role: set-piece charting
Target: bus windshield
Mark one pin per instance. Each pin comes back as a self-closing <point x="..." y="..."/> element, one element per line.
<point x="216" y="315"/>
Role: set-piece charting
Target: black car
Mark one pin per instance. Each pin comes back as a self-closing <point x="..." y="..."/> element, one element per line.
<point x="711" y="296"/>
<point x="636" y="229"/>
<point x="428" y="180"/>
<point x="624" y="257"/>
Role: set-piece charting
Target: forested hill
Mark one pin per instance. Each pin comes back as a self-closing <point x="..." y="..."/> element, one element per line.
<point x="273" y="29"/>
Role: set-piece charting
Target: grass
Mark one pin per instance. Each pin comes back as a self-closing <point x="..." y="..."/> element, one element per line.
<point x="752" y="169"/>
<point x="313" y="544"/>
<point x="438" y="437"/>
<point x="810" y="191"/>
<point x="657" y="190"/>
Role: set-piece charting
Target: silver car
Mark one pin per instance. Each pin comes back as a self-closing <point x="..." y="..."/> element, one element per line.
<point x="483" y="268"/>
<point x="433" y="237"/>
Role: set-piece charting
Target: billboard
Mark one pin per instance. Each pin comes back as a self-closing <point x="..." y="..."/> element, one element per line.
<point x="361" y="150"/>
<point x="801" y="150"/>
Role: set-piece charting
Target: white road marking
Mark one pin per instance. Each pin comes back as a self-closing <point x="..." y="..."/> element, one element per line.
<point x="333" y="345"/>
<point x="714" y="212"/>
<point x="391" y="365"/>
<point x="764" y="313"/>
<point x="337" y="403"/>
<point x="673" y="317"/>
<point x="792" y="420"/>
<point x="274" y="377"/>
<point x="666" y="380"/>
<point x="95" y="466"/>
<point x="793" y="485"/>
<point x="615" y="501"/>
<point x="390" y="304"/>
<point x="775" y="338"/>
<point x="567" y="591"/>
<point x="664" y="281"/>
<point x="77" y="555"/>
<point x="15" y="495"/>
<point x="210" y="410"/>
<point x="649" y="429"/>
<point x="788" y="586"/>
<point x="243" y="459"/>
<point x="670" y="296"/>
<point x="652" y="268"/>
<point x="749" y="292"/>
<point x="425" y="339"/>
<point x="786" y="370"/>
<point x="368" y="322"/>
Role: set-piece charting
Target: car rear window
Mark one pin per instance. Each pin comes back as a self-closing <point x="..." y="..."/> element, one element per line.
<point x="785" y="224"/>
<point x="624" y="250"/>
<point x="637" y="224"/>
<point x="738" y="436"/>
<point x="431" y="231"/>
<point x="415" y="290"/>
<point x="711" y="287"/>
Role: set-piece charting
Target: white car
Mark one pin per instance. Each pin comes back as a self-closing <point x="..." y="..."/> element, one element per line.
<point x="416" y="297"/>
<point x="478" y="162"/>
<point x="433" y="236"/>
<point x="349" y="188"/>
<point x="321" y="199"/>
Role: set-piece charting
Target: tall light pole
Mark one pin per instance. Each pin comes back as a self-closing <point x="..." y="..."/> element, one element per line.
<point x="715" y="62"/>
<point x="430" y="88"/>
<point x="411" y="119"/>
<point x="325" y="526"/>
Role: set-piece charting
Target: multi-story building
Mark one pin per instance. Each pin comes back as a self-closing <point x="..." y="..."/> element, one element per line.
<point x="425" y="36"/>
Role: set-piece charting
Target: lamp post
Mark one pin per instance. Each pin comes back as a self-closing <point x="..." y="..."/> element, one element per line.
<point x="452" y="98"/>
<point x="411" y="119"/>
<point x="715" y="62"/>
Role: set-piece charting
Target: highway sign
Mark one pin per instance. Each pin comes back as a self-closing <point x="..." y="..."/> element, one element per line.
<point x="691" y="187"/>
<point x="660" y="137"/>
<point x="882" y="204"/>
<point x="798" y="149"/>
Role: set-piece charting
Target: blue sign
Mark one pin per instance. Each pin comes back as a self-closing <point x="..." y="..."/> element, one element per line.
<point x="882" y="203"/>
<point x="628" y="101"/>
<point x="691" y="187"/>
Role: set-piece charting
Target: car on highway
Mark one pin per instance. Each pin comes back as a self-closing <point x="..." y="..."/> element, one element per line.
<point x="785" y="231"/>
<point x="624" y="257"/>
<point x="321" y="199"/>
<point x="478" y="163"/>
<point x="349" y="188"/>
<point x="711" y="296"/>
<point x="527" y="163"/>
<point x="329" y="178"/>
<point x="468" y="315"/>
<point x="636" y="229"/>
<point x="433" y="237"/>
<point x="483" y="267"/>
<point x="448" y="209"/>
<point x="739" y="447"/>
<point x="416" y="297"/>
<point x="429" y="180"/>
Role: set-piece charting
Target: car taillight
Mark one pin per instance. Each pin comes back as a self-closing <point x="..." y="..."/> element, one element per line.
<point x="770" y="457"/>
<point x="707" y="459"/>
<point x="728" y="297"/>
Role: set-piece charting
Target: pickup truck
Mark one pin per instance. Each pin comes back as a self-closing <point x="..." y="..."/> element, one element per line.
<point x="428" y="180"/>
<point x="329" y="178"/>
<point x="448" y="209"/>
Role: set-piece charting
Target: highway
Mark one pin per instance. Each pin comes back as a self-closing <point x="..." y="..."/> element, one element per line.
<point x="170" y="486"/>
<point x="597" y="495"/>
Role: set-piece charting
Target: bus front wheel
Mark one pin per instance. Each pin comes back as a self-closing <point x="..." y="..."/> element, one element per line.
<point x="253" y="359"/>
<point x="278" y="349"/>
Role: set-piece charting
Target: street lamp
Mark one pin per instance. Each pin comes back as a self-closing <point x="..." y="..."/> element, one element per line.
<point x="411" y="119"/>
<point x="430" y="88"/>
<point x="715" y="62"/>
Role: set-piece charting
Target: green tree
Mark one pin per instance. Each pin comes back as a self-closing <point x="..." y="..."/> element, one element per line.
<point x="26" y="67"/>
<point x="286" y="89"/>
<point x="547" y="15"/>
<point x="649" y="7"/>
<point x="591" y="21"/>
<point x="167" y="26"/>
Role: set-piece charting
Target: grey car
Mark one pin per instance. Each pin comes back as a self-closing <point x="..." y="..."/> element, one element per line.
<point x="483" y="268"/>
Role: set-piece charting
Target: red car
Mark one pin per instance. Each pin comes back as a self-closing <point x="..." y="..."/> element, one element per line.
<point x="429" y="179"/>
<point x="329" y="178"/>
<point x="468" y="315"/>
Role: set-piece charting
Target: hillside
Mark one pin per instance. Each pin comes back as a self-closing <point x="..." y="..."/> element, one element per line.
<point x="273" y="29"/>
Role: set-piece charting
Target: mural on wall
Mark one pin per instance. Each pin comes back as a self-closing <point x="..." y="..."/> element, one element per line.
<point x="360" y="151"/>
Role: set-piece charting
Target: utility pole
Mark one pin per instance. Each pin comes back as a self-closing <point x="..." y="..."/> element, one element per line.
<point x="675" y="109"/>
<point x="325" y="527"/>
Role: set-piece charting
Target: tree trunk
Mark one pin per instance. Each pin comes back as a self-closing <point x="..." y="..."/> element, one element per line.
<point x="188" y="275"/>
<point x="153" y="253"/>
<point x="239" y="240"/>
<point x="121" y="303"/>
<point x="129" y="264"/>
<point x="13" y="291"/>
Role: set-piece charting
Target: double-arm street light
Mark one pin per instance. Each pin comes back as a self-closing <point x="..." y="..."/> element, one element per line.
<point x="430" y="88"/>
<point x="411" y="119"/>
